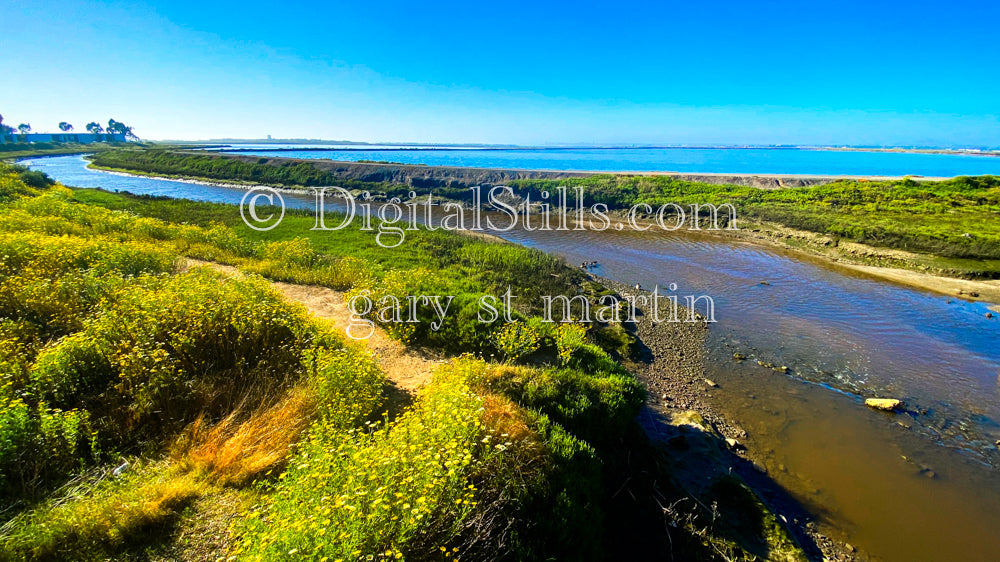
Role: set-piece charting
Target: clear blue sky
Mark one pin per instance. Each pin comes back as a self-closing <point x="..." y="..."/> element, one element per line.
<point x="896" y="73"/>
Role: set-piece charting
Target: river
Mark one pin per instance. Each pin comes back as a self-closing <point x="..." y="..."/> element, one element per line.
<point x="920" y="485"/>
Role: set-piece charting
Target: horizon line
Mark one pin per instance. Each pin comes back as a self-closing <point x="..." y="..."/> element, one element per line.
<point x="579" y="146"/>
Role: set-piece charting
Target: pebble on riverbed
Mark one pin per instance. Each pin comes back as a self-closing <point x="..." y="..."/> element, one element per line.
<point x="734" y="444"/>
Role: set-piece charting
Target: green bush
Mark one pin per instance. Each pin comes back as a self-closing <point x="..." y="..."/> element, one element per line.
<point x="11" y="186"/>
<point x="569" y="499"/>
<point x="347" y="385"/>
<point x="193" y="343"/>
<point x="36" y="179"/>
<point x="594" y="408"/>
<point x="74" y="368"/>
<point x="515" y="340"/>
<point x="569" y="338"/>
<point x="37" y="447"/>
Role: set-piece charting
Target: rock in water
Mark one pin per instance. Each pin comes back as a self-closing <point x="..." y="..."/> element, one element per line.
<point x="884" y="404"/>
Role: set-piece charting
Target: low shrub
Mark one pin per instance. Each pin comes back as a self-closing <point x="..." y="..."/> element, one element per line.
<point x="40" y="445"/>
<point x="100" y="515"/>
<point x="402" y="489"/>
<point x="595" y="408"/>
<point x="516" y="340"/>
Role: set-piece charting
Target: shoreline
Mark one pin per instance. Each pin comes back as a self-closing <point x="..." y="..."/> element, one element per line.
<point x="764" y="180"/>
<point x="673" y="372"/>
<point x="245" y="186"/>
<point x="815" y="246"/>
<point x="15" y="156"/>
<point x="390" y="147"/>
<point x="978" y="291"/>
<point x="856" y="258"/>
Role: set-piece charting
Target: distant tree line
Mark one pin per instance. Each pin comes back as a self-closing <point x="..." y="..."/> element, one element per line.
<point x="113" y="128"/>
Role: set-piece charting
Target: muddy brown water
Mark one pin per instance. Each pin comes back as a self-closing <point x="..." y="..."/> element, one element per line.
<point x="916" y="485"/>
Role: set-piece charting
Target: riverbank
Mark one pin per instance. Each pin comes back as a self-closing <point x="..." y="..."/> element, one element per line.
<point x="171" y="163"/>
<point x="803" y="293"/>
<point x="700" y="440"/>
<point x="194" y="181"/>
<point x="423" y="175"/>
<point x="953" y="222"/>
<point x="548" y="496"/>
<point x="30" y="151"/>
<point x="922" y="271"/>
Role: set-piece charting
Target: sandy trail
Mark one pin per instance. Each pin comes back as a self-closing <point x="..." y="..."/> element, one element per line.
<point x="406" y="368"/>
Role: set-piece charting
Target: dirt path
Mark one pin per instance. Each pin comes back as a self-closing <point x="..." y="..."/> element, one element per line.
<point x="405" y="367"/>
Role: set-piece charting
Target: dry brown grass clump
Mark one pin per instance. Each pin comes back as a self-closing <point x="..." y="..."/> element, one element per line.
<point x="240" y="448"/>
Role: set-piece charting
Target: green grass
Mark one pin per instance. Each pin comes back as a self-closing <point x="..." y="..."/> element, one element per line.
<point x="13" y="151"/>
<point x="953" y="218"/>
<point x="435" y="263"/>
<point x="171" y="163"/>
<point x="108" y="350"/>
<point x="102" y="515"/>
<point x="954" y="222"/>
